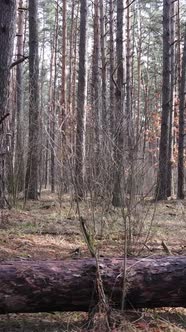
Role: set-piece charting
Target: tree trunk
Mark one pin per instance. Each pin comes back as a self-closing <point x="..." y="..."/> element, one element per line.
<point x="130" y="144"/>
<point x="19" y="157"/>
<point x="111" y="67"/>
<point x="7" y="31"/>
<point x="81" y="102"/>
<point x="161" y="190"/>
<point x="104" y="114"/>
<point x="95" y="94"/>
<point x="31" y="181"/>
<point x="118" y="146"/>
<point x="63" y="185"/>
<point x="170" y="164"/>
<point x="71" y="285"/>
<point x="74" y="85"/>
<point x="181" y="125"/>
<point x="63" y="76"/>
<point x="53" y="81"/>
<point x="69" y="87"/>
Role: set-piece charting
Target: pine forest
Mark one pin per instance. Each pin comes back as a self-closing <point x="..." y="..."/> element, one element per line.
<point x="92" y="165"/>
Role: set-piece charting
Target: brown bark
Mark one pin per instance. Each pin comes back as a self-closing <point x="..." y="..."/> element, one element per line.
<point x="19" y="160"/>
<point x="103" y="71"/>
<point x="31" y="180"/>
<point x="39" y="286"/>
<point x="7" y="32"/>
<point x="111" y="59"/>
<point x="161" y="192"/>
<point x="118" y="146"/>
<point x="139" y="74"/>
<point x="95" y="95"/>
<point x="63" y="76"/>
<point x="63" y="121"/>
<point x="81" y="102"/>
<point x="53" y="80"/>
<point x="71" y="54"/>
<point x="170" y="180"/>
<point x="72" y="78"/>
<point x="74" y="75"/>
<point x="50" y="109"/>
<point x="130" y="143"/>
<point x="181" y="125"/>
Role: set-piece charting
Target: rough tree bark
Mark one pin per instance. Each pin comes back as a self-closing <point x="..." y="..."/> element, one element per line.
<point x="111" y="71"/>
<point x="180" y="193"/>
<point x="104" y="114"/>
<point x="71" y="285"/>
<point x="95" y="95"/>
<point x="53" y="81"/>
<point x="161" y="190"/>
<point x="63" y="76"/>
<point x="63" y="117"/>
<point x="173" y="67"/>
<point x="31" y="180"/>
<point x="7" y="32"/>
<point x="74" y="75"/>
<point x="19" y="153"/>
<point x="118" y="139"/>
<point x="81" y="102"/>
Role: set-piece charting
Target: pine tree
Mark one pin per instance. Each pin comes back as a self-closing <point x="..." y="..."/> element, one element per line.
<point x="31" y="181"/>
<point x="7" y="33"/>
<point x="161" y="191"/>
<point x="81" y="102"/>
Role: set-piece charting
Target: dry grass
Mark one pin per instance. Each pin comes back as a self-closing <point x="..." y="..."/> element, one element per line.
<point x="44" y="230"/>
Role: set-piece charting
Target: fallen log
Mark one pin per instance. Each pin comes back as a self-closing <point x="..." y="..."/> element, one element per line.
<point x="44" y="286"/>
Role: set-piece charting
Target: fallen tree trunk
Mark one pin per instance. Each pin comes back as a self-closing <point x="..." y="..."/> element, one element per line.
<point x="37" y="286"/>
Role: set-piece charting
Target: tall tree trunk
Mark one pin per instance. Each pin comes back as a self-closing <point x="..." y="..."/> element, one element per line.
<point x="7" y="32"/>
<point x="74" y="85"/>
<point x="103" y="72"/>
<point x="128" y="109"/>
<point x="49" y="118"/>
<point x="19" y="160"/>
<point x="170" y="180"/>
<point x="53" y="81"/>
<point x="180" y="194"/>
<point x="161" y="190"/>
<point x="63" y="123"/>
<point x="42" y="115"/>
<point x="111" y="59"/>
<point x="81" y="102"/>
<point x="63" y="76"/>
<point x="71" y="54"/>
<point x="118" y="146"/>
<point x="95" y="91"/>
<point x="10" y="177"/>
<point x="139" y="74"/>
<point x="31" y="181"/>
<point x="46" y="170"/>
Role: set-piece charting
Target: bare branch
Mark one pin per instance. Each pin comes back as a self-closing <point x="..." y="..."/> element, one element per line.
<point x="129" y="4"/>
<point x="17" y="62"/>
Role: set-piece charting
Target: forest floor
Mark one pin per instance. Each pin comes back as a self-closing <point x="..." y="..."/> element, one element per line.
<point x="47" y="229"/>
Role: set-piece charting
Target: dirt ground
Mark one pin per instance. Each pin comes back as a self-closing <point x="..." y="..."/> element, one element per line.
<point x="49" y="229"/>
